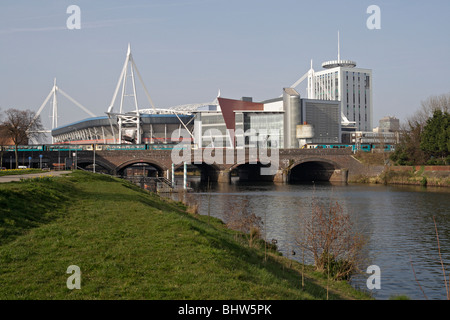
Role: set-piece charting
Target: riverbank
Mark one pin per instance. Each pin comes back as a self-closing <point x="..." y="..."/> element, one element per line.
<point x="432" y="176"/>
<point x="131" y="244"/>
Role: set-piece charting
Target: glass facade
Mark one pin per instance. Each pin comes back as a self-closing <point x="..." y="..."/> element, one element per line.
<point x="267" y="124"/>
<point x="325" y="117"/>
<point x="213" y="129"/>
<point x="250" y="127"/>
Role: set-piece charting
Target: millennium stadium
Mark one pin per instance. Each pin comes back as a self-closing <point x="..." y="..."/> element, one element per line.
<point x="322" y="120"/>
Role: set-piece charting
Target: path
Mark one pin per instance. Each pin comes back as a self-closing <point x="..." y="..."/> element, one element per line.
<point x="32" y="175"/>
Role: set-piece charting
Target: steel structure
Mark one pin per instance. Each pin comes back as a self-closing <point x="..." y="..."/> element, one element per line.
<point x="131" y="121"/>
<point x="128" y="121"/>
<point x="53" y="94"/>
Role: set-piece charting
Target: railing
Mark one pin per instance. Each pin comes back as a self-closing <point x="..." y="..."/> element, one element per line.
<point x="155" y="184"/>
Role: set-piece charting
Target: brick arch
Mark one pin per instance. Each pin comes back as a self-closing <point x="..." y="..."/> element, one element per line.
<point x="99" y="162"/>
<point x="208" y="171"/>
<point x="247" y="162"/>
<point x="316" y="159"/>
<point x="158" y="165"/>
<point x="213" y="166"/>
<point x="312" y="169"/>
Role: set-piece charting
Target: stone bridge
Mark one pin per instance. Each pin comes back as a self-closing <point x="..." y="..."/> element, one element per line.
<point x="289" y="165"/>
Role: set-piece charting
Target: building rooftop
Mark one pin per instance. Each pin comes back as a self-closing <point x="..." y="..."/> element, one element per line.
<point x="338" y="63"/>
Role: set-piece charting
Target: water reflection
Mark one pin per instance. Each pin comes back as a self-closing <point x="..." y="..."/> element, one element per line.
<point x="397" y="221"/>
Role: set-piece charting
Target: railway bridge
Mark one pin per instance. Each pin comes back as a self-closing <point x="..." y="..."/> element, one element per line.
<point x="277" y="165"/>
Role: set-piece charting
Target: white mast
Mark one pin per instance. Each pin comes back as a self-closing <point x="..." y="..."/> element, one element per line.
<point x="124" y="119"/>
<point x="53" y="93"/>
<point x="311" y="83"/>
<point x="55" y="107"/>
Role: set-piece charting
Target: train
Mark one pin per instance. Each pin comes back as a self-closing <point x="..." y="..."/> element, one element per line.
<point x="90" y="147"/>
<point x="366" y="147"/>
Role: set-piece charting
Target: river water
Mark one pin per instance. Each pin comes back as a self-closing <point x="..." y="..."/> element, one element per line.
<point x="397" y="222"/>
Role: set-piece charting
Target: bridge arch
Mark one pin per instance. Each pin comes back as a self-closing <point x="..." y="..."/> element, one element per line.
<point x="99" y="165"/>
<point x="159" y="168"/>
<point x="252" y="171"/>
<point x="312" y="169"/>
<point x="208" y="172"/>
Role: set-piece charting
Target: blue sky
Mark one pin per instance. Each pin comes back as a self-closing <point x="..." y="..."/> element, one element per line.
<point x="186" y="50"/>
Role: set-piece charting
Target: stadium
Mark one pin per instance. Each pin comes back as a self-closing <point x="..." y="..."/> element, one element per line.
<point x="318" y="120"/>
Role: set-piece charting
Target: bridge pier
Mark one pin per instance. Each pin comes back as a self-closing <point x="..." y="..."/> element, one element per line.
<point x="224" y="176"/>
<point x="280" y="177"/>
<point x="339" y="175"/>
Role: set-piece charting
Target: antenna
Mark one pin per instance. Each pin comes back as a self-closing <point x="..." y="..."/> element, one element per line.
<point x="339" y="47"/>
<point x="339" y="62"/>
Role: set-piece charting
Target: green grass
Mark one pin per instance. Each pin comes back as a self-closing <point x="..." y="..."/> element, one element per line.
<point x="130" y="244"/>
<point x="13" y="172"/>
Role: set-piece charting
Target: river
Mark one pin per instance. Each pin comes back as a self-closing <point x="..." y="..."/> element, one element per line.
<point x="397" y="222"/>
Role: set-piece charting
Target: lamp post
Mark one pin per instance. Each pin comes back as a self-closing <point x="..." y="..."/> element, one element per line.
<point x="75" y="160"/>
<point x="93" y="148"/>
<point x="185" y="176"/>
<point x="173" y="175"/>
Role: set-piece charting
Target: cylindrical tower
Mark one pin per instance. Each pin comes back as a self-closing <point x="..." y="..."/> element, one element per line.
<point x="292" y="116"/>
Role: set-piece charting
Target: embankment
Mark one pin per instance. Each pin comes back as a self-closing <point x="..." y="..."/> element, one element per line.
<point x="433" y="176"/>
<point x="131" y="244"/>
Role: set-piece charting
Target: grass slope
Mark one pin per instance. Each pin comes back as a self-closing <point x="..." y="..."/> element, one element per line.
<point x="130" y="244"/>
<point x="14" y="172"/>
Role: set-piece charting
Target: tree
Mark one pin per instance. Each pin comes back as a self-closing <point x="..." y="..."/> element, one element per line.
<point x="436" y="135"/>
<point x="409" y="151"/>
<point x="430" y="105"/>
<point x="20" y="126"/>
<point x="4" y="140"/>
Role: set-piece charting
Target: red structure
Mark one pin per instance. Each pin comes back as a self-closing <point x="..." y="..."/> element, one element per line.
<point x="229" y="106"/>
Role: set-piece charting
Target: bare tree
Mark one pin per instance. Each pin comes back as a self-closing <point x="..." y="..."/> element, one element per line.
<point x="20" y="126"/>
<point x="430" y="105"/>
<point x="4" y="140"/>
<point x="240" y="219"/>
<point x="328" y="235"/>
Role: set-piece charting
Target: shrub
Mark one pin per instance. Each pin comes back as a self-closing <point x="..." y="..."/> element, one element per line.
<point x="329" y="236"/>
<point x="240" y="219"/>
<point x="424" y="181"/>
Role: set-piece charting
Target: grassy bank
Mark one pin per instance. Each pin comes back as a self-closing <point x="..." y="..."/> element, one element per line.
<point x="415" y="176"/>
<point x="13" y="172"/>
<point x="130" y="244"/>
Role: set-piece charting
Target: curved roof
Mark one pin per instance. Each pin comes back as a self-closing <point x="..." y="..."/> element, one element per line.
<point x="104" y="121"/>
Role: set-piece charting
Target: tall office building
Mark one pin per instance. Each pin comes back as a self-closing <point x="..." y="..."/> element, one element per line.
<point x="352" y="86"/>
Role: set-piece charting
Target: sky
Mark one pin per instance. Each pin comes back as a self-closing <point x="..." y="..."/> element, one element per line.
<point x="188" y="50"/>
